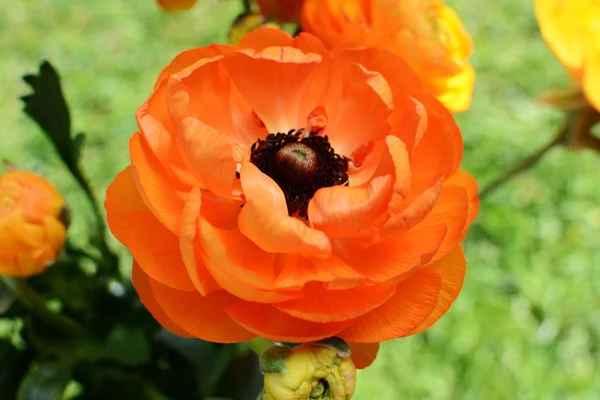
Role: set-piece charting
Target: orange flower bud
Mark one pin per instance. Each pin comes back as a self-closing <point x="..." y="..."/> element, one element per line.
<point x="176" y="5"/>
<point x="283" y="10"/>
<point x="572" y="32"/>
<point x="427" y="34"/>
<point x="32" y="223"/>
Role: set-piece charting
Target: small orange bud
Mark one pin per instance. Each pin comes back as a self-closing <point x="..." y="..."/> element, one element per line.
<point x="33" y="223"/>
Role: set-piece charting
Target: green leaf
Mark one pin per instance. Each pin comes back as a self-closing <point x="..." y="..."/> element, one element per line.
<point x="47" y="106"/>
<point x="46" y="382"/>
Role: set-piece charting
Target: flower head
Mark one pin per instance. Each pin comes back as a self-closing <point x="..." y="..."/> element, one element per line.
<point x="427" y="34"/>
<point x="32" y="223"/>
<point x="572" y="31"/>
<point x="281" y="190"/>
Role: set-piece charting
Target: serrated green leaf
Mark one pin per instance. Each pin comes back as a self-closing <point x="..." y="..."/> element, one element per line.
<point x="46" y="382"/>
<point x="48" y="108"/>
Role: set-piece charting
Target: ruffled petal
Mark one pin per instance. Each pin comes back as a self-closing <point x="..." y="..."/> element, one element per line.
<point x="322" y="305"/>
<point x="296" y="271"/>
<point x="287" y="72"/>
<point x="189" y="242"/>
<point x="360" y="115"/>
<point x="363" y="354"/>
<point x="192" y="56"/>
<point x="264" y="219"/>
<point x="208" y="154"/>
<point x="451" y="269"/>
<point x="203" y="317"/>
<point x="392" y="258"/>
<point x="122" y="198"/>
<point x="341" y="211"/>
<point x="414" y="301"/>
<point x="141" y="282"/>
<point x="155" y="188"/>
<point x="469" y="184"/>
<point x="268" y="322"/>
<point x="156" y="250"/>
<point x="260" y="39"/>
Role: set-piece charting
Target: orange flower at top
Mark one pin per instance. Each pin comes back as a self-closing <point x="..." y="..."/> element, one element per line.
<point x="32" y="226"/>
<point x="572" y="30"/>
<point x="427" y="34"/>
<point x="283" y="10"/>
<point x="284" y="191"/>
<point x="176" y="5"/>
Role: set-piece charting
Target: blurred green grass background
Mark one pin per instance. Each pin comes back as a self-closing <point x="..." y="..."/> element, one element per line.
<point x="527" y="324"/>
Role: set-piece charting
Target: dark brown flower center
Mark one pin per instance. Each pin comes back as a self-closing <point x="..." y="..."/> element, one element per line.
<point x="300" y="165"/>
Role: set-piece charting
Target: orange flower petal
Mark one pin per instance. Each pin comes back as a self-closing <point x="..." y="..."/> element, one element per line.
<point x="122" y="198"/>
<point x="155" y="124"/>
<point x="320" y="304"/>
<point x="309" y="44"/>
<point x="363" y="354"/>
<point x="452" y="209"/>
<point x="189" y="57"/>
<point x="264" y="218"/>
<point x="141" y="283"/>
<point x="287" y="72"/>
<point x="440" y="152"/>
<point x="208" y="154"/>
<point x="469" y="184"/>
<point x="401" y="79"/>
<point x="451" y="269"/>
<point x="359" y="173"/>
<point x="401" y="220"/>
<point x="361" y="114"/>
<point x="296" y="271"/>
<point x="189" y="241"/>
<point x="156" y="250"/>
<point x="203" y="317"/>
<point x="270" y="323"/>
<point x="341" y="211"/>
<point x="393" y="257"/>
<point x="260" y="39"/>
<point x="154" y="186"/>
<point x="414" y="301"/>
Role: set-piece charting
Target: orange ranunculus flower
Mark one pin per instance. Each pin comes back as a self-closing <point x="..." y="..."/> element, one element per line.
<point x="572" y="30"/>
<point x="32" y="223"/>
<point x="176" y="5"/>
<point x="283" y="10"/>
<point x="427" y="34"/>
<point x="281" y="190"/>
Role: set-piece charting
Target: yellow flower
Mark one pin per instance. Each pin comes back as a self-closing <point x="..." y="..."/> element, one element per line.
<point x="427" y="34"/>
<point x="572" y="30"/>
<point x="312" y="371"/>
<point x="32" y="223"/>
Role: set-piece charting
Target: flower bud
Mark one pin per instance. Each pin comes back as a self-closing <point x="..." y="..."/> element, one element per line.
<point x="33" y="223"/>
<point x="313" y="371"/>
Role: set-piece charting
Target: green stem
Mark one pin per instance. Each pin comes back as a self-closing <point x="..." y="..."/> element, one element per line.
<point x="21" y="288"/>
<point x="259" y="345"/>
<point x="109" y="258"/>
<point x="525" y="164"/>
<point x="247" y="6"/>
